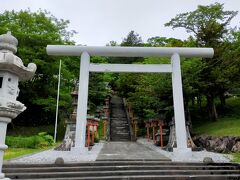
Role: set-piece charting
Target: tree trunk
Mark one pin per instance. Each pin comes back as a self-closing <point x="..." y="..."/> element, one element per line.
<point x="199" y="102"/>
<point x="188" y="118"/>
<point x="212" y="112"/>
<point x="193" y="101"/>
<point x="222" y="99"/>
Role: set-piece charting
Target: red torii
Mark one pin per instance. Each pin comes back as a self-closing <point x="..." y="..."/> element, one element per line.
<point x="91" y="122"/>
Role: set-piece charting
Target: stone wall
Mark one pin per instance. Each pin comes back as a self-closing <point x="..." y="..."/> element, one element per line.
<point x="224" y="144"/>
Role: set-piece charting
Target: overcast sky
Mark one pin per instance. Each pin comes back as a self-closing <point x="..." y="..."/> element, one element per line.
<point x="100" y="21"/>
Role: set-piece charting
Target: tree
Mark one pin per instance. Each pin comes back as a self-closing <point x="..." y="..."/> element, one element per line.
<point x="124" y="82"/>
<point x="164" y="42"/>
<point x="34" y="31"/>
<point x="209" y="26"/>
<point x="132" y="39"/>
<point x="152" y="93"/>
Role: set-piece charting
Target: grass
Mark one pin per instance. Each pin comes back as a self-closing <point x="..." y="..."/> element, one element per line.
<point x="227" y="126"/>
<point x="11" y="153"/>
<point x="228" y="123"/>
<point x="236" y="157"/>
<point x="21" y="144"/>
<point x="17" y="152"/>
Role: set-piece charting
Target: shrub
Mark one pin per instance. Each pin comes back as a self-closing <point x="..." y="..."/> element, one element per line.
<point x="141" y="132"/>
<point x="96" y="138"/>
<point x="37" y="141"/>
<point x="48" y="138"/>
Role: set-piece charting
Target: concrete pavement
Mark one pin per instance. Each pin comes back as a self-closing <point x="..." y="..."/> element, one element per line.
<point x="128" y="151"/>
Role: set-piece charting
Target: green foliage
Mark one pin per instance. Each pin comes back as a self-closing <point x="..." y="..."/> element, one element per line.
<point x="210" y="27"/>
<point x="34" y="31"/>
<point x="227" y="125"/>
<point x="38" y="141"/>
<point x="151" y="94"/>
<point x="141" y="132"/>
<point x="60" y="130"/>
<point x="236" y="157"/>
<point x="132" y="39"/>
<point x="164" y="42"/>
<point x="98" y="85"/>
<point x="96" y="139"/>
<point x="48" y="138"/>
<point x="207" y="23"/>
<point x="29" y="131"/>
<point x="100" y="130"/>
<point x="223" y="127"/>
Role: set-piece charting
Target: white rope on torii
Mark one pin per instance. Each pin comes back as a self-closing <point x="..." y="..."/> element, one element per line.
<point x="85" y="67"/>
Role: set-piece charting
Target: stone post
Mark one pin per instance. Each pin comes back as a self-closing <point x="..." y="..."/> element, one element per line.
<point x="179" y="116"/>
<point x="12" y="70"/>
<point x="82" y="104"/>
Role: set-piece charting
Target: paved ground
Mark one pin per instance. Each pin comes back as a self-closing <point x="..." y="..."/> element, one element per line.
<point x="128" y="150"/>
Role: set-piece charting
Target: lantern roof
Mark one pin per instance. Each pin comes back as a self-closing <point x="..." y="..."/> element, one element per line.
<point x="8" y="42"/>
<point x="10" y="62"/>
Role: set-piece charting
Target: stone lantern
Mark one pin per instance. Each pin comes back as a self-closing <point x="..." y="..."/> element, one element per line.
<point x="12" y="71"/>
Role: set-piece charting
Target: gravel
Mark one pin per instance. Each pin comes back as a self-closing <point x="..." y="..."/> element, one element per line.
<point x="194" y="156"/>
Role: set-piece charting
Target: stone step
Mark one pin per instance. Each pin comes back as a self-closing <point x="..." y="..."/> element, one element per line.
<point x="120" y="127"/>
<point x="32" y="175"/>
<point x="122" y="132"/>
<point x="116" y="162"/>
<point x="119" y="124"/>
<point x="118" y="118"/>
<point x="114" y="134"/>
<point x="120" y="136"/>
<point x="113" y="168"/>
<point x="118" y="132"/>
<point x="125" y="124"/>
<point x="120" y="139"/>
<point x="152" y="177"/>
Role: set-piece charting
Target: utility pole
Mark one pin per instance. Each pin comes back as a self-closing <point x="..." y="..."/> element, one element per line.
<point x="56" y="120"/>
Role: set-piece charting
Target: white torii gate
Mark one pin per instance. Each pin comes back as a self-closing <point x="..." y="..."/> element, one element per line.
<point x="85" y="67"/>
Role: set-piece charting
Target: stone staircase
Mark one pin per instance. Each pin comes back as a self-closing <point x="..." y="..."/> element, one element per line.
<point x="119" y="128"/>
<point x="123" y="169"/>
